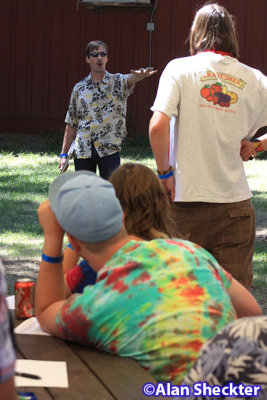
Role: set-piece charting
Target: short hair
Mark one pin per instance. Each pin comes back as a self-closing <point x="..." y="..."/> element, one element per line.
<point x="94" y="45"/>
<point x="146" y="207"/>
<point x="213" y="28"/>
<point x="101" y="247"/>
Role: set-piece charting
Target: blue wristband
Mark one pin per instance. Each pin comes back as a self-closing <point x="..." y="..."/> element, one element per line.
<point x="53" y="260"/>
<point x="63" y="155"/>
<point x="165" y="176"/>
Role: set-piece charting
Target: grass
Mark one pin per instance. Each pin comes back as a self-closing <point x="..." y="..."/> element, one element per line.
<point x="28" y="164"/>
<point x="256" y="172"/>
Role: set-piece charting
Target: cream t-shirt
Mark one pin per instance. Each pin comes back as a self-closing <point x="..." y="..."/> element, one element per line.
<point x="213" y="102"/>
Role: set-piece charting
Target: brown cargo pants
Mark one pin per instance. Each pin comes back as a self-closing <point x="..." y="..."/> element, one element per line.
<point x="226" y="230"/>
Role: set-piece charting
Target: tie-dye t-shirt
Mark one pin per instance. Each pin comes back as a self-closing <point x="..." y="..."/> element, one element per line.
<point x="156" y="302"/>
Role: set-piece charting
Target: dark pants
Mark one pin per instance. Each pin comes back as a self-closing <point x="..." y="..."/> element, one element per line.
<point x="226" y="230"/>
<point x="106" y="165"/>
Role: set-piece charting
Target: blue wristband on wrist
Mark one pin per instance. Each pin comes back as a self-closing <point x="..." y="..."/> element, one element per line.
<point x="165" y="176"/>
<point x="52" y="260"/>
<point x="63" y="155"/>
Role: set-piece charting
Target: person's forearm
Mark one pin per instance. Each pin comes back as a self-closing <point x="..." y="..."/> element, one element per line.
<point x="50" y="281"/>
<point x="139" y="74"/>
<point x="69" y="136"/>
<point x="71" y="259"/>
<point x="243" y="301"/>
<point x="159" y="140"/>
<point x="132" y="79"/>
<point x="50" y="290"/>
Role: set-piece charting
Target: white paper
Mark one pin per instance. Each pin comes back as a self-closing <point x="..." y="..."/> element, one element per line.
<point x="10" y="301"/>
<point x="52" y="373"/>
<point x="30" y="327"/>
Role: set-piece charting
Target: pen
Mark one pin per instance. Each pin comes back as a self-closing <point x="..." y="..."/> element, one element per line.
<point x="26" y="375"/>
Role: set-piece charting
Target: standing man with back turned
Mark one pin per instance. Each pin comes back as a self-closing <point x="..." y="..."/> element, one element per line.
<point x="215" y="102"/>
<point x="96" y="117"/>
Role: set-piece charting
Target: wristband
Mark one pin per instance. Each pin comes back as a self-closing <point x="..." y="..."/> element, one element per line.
<point x="52" y="260"/>
<point x="63" y="155"/>
<point x="165" y="176"/>
<point x="164" y="172"/>
<point x="257" y="145"/>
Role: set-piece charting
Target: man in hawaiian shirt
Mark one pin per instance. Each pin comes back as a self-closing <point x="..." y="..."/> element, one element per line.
<point x="96" y="117"/>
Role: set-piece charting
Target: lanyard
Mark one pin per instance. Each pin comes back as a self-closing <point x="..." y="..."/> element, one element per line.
<point x="223" y="53"/>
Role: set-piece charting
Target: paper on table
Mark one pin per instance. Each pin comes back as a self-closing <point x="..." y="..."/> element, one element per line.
<point x="10" y="301"/>
<point x="52" y="373"/>
<point x="30" y="327"/>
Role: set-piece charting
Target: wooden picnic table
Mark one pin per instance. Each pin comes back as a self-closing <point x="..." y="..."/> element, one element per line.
<point x="92" y="374"/>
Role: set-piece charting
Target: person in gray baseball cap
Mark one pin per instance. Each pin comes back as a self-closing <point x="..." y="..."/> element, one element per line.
<point x="85" y="206"/>
<point x="146" y="292"/>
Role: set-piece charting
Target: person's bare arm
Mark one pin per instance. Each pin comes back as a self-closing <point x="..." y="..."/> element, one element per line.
<point x="7" y="390"/>
<point x="69" y="136"/>
<point x="50" y="292"/>
<point x="138" y="75"/>
<point x="70" y="259"/>
<point x="159" y="136"/>
<point x="243" y="301"/>
<point x="247" y="150"/>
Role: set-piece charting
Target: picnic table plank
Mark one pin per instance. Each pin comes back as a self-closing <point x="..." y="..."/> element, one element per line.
<point x="123" y="376"/>
<point x="115" y="372"/>
<point x="83" y="385"/>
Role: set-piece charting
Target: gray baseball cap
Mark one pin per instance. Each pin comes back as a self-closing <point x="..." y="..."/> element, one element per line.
<point x="86" y="206"/>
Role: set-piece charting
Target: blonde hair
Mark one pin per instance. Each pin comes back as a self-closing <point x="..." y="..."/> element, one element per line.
<point x="145" y="205"/>
<point x="213" y="28"/>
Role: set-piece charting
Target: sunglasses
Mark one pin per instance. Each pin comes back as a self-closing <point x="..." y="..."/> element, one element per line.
<point x="98" y="53"/>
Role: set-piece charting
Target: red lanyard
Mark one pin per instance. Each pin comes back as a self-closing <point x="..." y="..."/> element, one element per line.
<point x="223" y="53"/>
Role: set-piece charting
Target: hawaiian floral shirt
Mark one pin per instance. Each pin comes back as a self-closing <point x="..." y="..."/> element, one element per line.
<point x="7" y="352"/>
<point x="98" y="112"/>
<point x="156" y="302"/>
<point x="237" y="354"/>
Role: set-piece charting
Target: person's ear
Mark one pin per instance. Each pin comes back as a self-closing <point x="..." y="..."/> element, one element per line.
<point x="74" y="243"/>
<point x="87" y="59"/>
